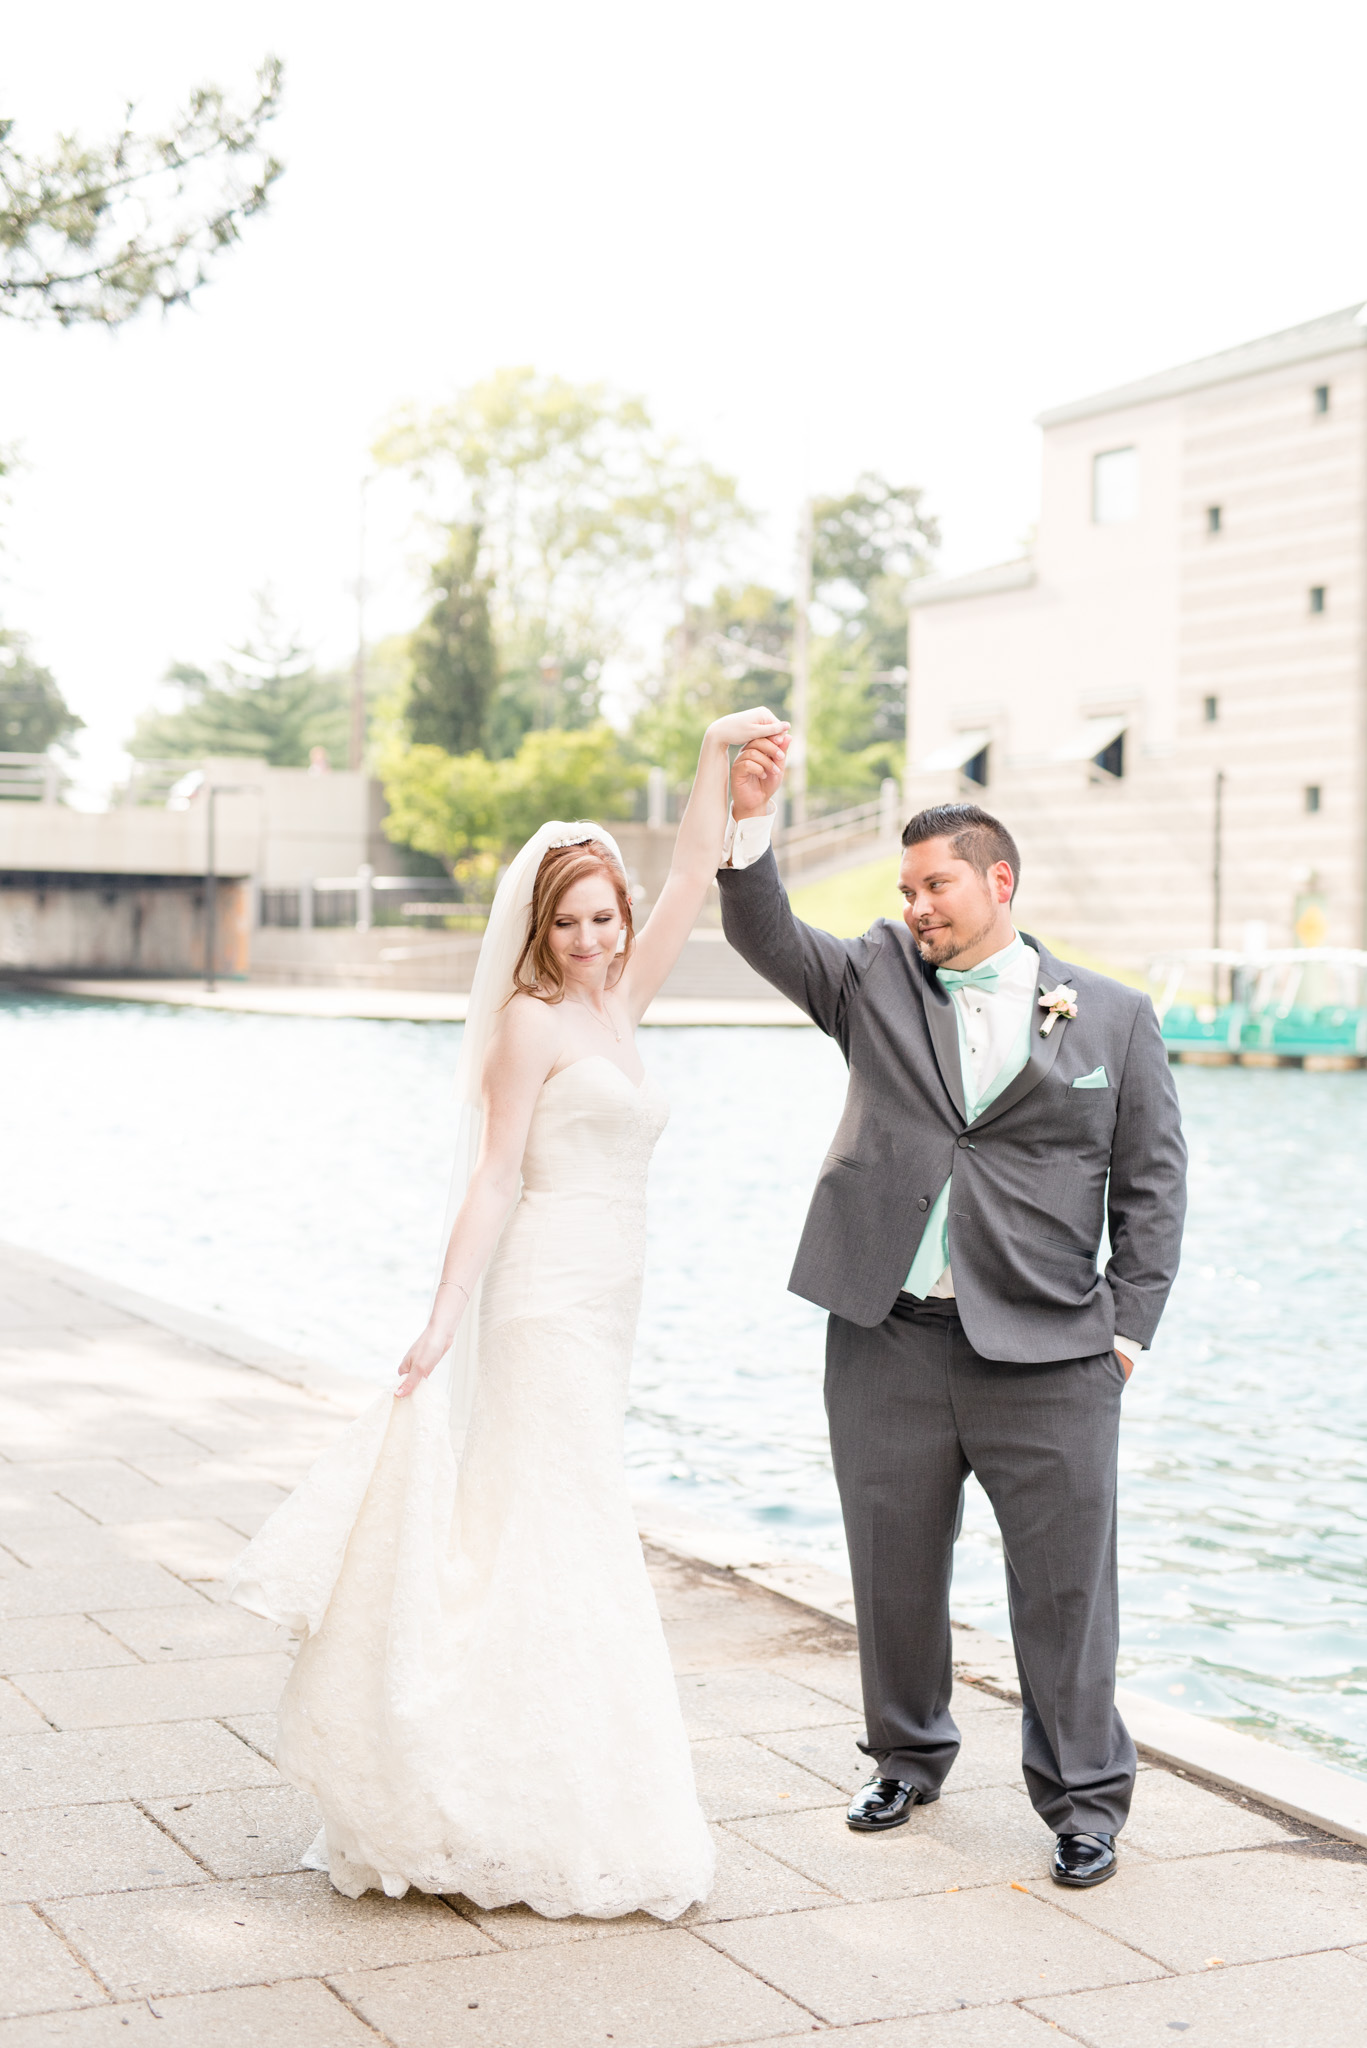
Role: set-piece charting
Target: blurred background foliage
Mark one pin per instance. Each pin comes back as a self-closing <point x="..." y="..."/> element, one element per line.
<point x="558" y="519"/>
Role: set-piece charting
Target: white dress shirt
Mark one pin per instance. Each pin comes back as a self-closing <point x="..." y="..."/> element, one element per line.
<point x="990" y="1017"/>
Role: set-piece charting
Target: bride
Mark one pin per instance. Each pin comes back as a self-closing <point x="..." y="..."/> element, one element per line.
<point x="483" y="1702"/>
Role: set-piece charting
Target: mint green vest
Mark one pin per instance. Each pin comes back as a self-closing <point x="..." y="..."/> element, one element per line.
<point x="932" y="1253"/>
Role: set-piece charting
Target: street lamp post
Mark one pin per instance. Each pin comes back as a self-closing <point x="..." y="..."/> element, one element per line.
<point x="213" y="790"/>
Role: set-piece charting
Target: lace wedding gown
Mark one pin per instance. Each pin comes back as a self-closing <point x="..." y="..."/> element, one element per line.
<point x="484" y="1702"/>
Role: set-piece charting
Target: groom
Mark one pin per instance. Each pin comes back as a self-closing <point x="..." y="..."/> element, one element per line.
<point x="1002" y="1107"/>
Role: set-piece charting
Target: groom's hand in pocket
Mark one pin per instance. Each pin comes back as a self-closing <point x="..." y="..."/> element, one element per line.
<point x="1126" y="1366"/>
<point x="757" y="775"/>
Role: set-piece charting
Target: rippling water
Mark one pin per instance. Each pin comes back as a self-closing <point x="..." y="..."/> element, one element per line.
<point x="289" y="1174"/>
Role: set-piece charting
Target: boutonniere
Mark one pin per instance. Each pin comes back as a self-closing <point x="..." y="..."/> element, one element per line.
<point x="1059" y="1002"/>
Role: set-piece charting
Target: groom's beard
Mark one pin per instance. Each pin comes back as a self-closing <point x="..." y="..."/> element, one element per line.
<point x="939" y="948"/>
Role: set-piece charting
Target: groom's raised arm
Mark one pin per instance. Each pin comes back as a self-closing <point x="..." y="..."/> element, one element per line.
<point x="813" y="969"/>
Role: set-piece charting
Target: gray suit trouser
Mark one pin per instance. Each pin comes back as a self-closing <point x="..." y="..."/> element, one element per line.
<point x="913" y="1409"/>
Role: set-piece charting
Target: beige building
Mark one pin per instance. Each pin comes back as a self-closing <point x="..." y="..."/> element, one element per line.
<point x="1178" y="671"/>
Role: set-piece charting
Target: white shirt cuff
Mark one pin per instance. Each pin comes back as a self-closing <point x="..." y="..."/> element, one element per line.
<point x="747" y="839"/>
<point x="1129" y="1347"/>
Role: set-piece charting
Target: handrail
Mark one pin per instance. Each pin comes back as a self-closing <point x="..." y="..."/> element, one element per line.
<point x="30" y="778"/>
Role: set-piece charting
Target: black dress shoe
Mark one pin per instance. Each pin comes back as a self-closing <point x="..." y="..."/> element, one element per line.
<point x="1083" y="1859"/>
<point x="885" y="1803"/>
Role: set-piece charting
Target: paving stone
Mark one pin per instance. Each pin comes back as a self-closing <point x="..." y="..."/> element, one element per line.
<point x="1313" y="2001"/>
<point x="302" y="2014"/>
<point x="1172" y="1817"/>
<point x="242" y="1834"/>
<point x="88" y="1589"/>
<point x="711" y="1620"/>
<point x="53" y="1852"/>
<point x="828" y="1752"/>
<point x="749" y="1882"/>
<point x="990" y="1754"/>
<point x="740" y="1701"/>
<point x="847" y="1964"/>
<point x="983" y="2026"/>
<point x="203" y="1629"/>
<point x="259" y="1731"/>
<point x="229" y="1487"/>
<point x="967" y="1838"/>
<point x="82" y="1765"/>
<point x="194" y="1689"/>
<point x="38" y="1973"/>
<point x="37" y="1510"/>
<point x="736" y="1777"/>
<point x="18" y="1716"/>
<point x="201" y="1549"/>
<point x="207" y="1937"/>
<point x="60" y="1642"/>
<point x="105" y="1488"/>
<point x="835" y="1677"/>
<point x="665" y="1989"/>
<point x="1243" y="1906"/>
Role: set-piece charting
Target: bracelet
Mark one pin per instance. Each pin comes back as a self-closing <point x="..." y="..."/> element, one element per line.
<point x="453" y="1283"/>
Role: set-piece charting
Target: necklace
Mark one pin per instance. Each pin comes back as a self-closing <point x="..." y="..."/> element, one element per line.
<point x="598" y="1020"/>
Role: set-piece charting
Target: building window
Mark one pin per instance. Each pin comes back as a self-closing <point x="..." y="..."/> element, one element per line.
<point x="1212" y="709"/>
<point x="1115" y="486"/>
<point x="1321" y="398"/>
<point x="975" y="768"/>
<point x="1317" y="596"/>
<point x="1312" y="796"/>
<point x="1111" y="759"/>
<point x="1214" y="519"/>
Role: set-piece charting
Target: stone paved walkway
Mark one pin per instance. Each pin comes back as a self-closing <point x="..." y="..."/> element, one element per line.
<point x="149" y="1847"/>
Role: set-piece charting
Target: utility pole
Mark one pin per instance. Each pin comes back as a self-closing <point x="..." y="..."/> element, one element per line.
<point x="683" y="642"/>
<point x="1216" y="866"/>
<point x="797" y="710"/>
<point x="356" y="741"/>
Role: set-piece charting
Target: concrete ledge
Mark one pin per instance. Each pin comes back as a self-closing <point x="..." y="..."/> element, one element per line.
<point x="411" y="1006"/>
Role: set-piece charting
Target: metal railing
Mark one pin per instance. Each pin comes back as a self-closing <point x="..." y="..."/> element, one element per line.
<point x="30" y="778"/>
<point x="827" y="838"/>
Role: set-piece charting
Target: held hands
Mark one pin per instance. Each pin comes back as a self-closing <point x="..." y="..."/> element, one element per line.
<point x="741" y="727"/>
<point x="757" y="771"/>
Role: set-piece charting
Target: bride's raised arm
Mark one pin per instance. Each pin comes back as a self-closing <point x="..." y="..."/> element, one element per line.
<point x="697" y="852"/>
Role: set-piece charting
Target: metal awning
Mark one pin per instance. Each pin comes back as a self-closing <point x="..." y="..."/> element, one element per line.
<point x="961" y="748"/>
<point x="1093" y="737"/>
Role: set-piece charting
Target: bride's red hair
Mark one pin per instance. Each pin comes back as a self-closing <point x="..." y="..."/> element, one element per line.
<point x="538" y="972"/>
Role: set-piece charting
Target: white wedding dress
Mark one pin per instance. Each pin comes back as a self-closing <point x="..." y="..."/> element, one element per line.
<point x="484" y="1702"/>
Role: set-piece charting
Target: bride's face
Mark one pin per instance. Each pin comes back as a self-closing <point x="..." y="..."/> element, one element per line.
<point x="585" y="930"/>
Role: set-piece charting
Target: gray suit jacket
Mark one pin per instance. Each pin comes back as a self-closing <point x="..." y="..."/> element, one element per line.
<point x="1033" y="1177"/>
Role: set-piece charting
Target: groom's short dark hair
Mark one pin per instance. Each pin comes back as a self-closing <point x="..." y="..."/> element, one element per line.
<point x="974" y="835"/>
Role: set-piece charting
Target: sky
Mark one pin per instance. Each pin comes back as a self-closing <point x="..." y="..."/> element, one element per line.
<point x="818" y="239"/>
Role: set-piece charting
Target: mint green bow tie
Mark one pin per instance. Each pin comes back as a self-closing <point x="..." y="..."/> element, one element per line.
<point x="981" y="976"/>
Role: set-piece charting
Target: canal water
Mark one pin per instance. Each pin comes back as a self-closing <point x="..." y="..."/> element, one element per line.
<point x="289" y="1174"/>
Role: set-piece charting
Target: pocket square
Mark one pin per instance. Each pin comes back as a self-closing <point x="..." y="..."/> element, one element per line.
<point x="1096" y="1079"/>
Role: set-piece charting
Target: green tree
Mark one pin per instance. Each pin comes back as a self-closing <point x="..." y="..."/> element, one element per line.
<point x="34" y="715"/>
<point x="460" y="805"/>
<point x="738" y="653"/>
<point x="869" y="546"/>
<point x="92" y="232"/>
<point x="454" y="665"/>
<point x="266" y="702"/>
<point x="582" y="507"/>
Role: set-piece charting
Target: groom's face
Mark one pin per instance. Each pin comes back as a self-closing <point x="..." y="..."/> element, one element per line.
<point x="949" y="908"/>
